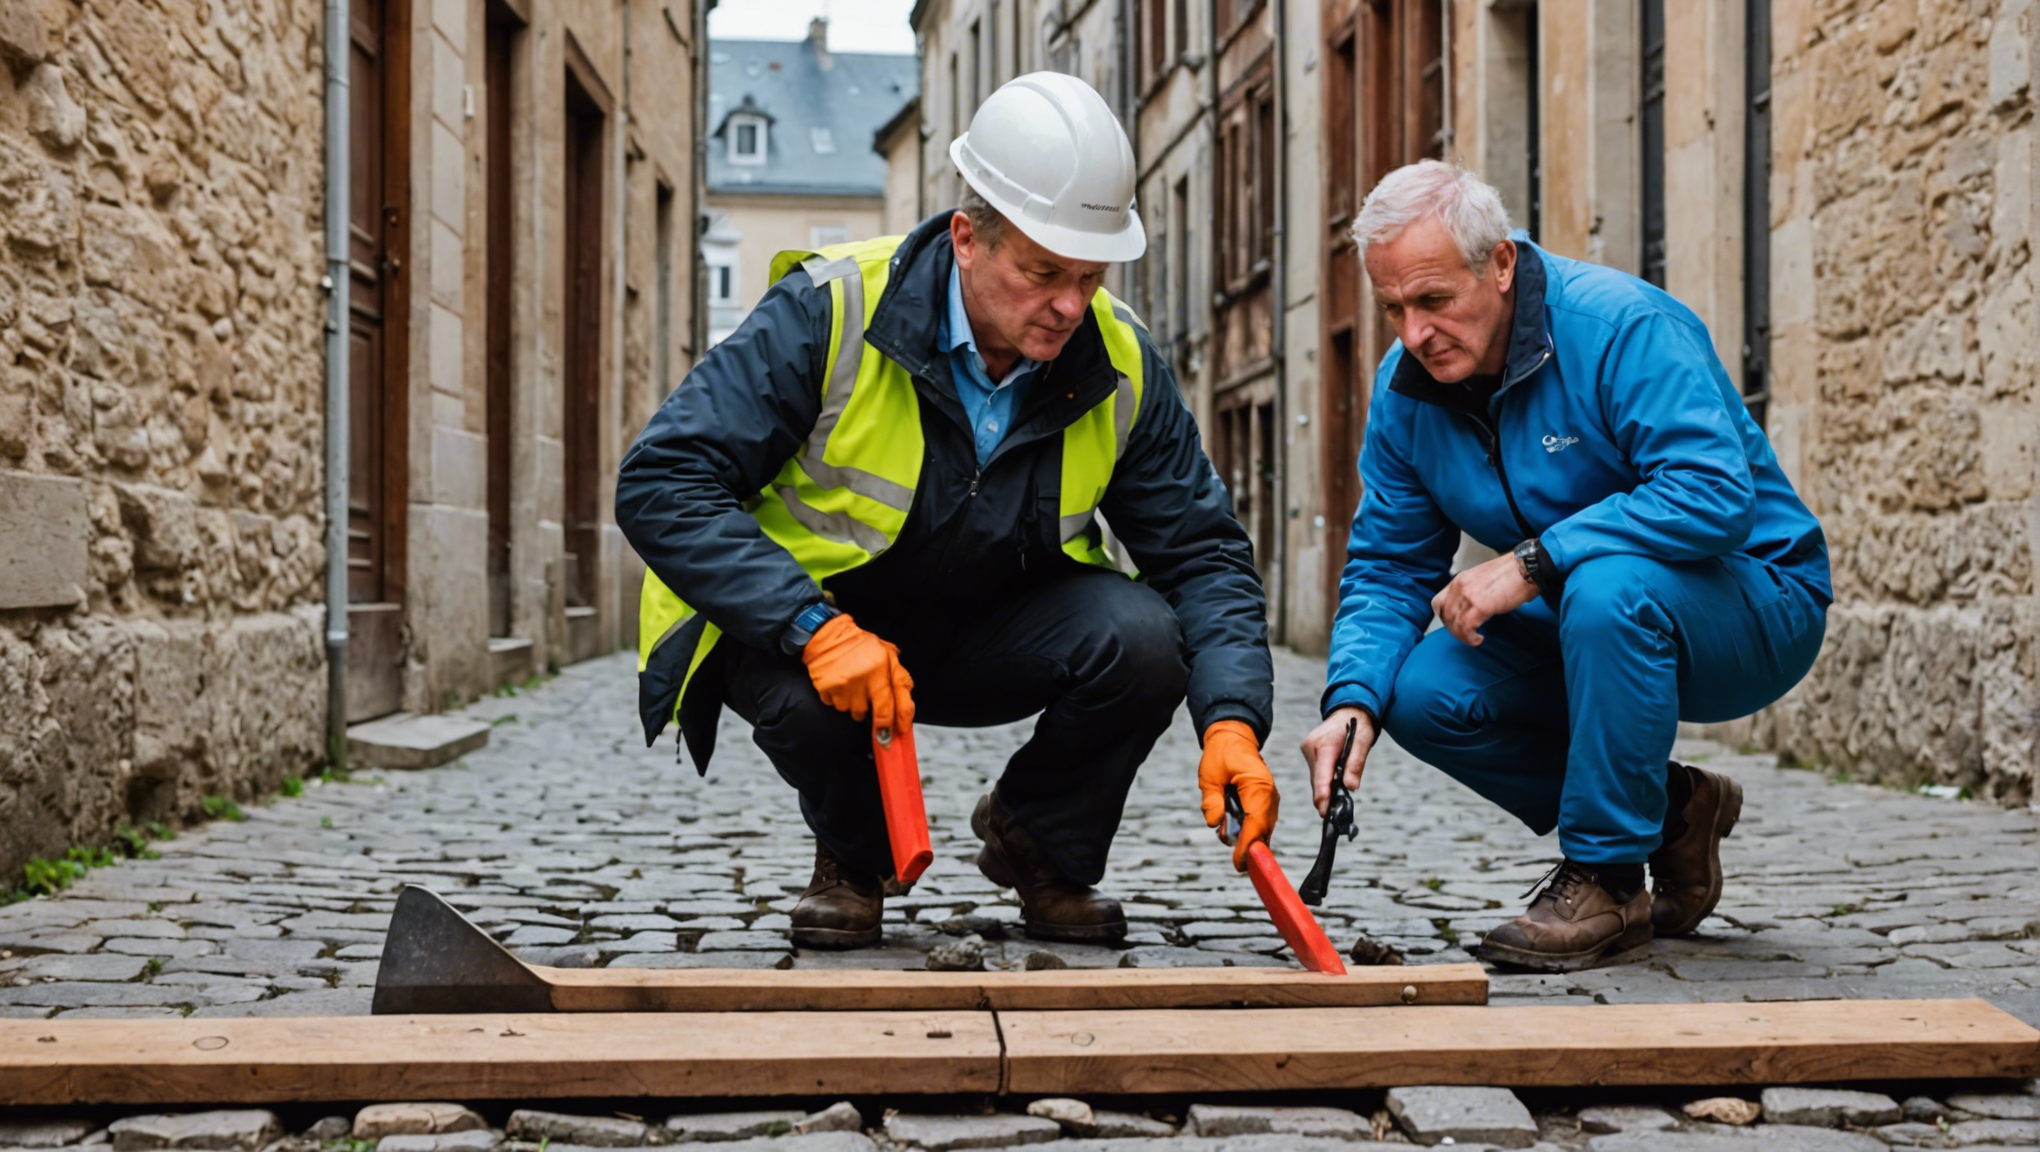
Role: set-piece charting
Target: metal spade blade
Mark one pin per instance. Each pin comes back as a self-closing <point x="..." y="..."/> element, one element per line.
<point x="435" y="961"/>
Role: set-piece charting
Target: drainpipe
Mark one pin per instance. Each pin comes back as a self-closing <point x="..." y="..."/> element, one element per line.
<point x="1279" y="285"/>
<point x="698" y="61"/>
<point x="339" y="126"/>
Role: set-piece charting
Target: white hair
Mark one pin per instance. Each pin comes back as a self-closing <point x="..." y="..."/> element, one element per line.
<point x="1470" y="210"/>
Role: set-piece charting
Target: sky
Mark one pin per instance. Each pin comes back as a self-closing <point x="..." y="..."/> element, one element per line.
<point x="854" y="25"/>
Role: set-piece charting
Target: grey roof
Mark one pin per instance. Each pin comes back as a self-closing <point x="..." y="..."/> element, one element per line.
<point x="822" y="119"/>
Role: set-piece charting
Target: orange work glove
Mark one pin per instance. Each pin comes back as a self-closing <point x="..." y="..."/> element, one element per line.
<point x="858" y="673"/>
<point x="1232" y="756"/>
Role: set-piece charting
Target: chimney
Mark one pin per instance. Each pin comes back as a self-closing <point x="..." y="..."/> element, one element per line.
<point x="818" y="38"/>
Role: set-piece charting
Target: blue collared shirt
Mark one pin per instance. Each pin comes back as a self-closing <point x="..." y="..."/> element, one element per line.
<point x="989" y="406"/>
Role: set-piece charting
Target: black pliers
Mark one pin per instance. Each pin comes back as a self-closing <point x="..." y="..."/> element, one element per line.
<point x="1338" y="822"/>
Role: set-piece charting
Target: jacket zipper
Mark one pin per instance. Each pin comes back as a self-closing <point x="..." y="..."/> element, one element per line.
<point x="1492" y="426"/>
<point x="1494" y="459"/>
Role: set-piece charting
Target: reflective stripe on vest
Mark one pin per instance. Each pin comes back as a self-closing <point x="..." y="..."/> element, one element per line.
<point x="844" y="497"/>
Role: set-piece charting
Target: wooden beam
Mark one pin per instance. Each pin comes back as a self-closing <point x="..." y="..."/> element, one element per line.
<point x="1105" y="1051"/>
<point x="493" y="1057"/>
<point x="726" y="990"/>
<point x="1055" y="1053"/>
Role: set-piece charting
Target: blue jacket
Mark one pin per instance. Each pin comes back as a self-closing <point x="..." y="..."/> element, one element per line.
<point x="1616" y="431"/>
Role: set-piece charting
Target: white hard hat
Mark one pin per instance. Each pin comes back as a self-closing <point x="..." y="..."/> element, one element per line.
<point x="1047" y="152"/>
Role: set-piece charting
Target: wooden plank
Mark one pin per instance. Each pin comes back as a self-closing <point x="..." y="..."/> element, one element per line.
<point x="725" y="990"/>
<point x="494" y="1057"/>
<point x="1057" y="1053"/>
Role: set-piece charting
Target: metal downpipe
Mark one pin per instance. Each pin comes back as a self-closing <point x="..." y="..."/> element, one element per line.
<point x="338" y="282"/>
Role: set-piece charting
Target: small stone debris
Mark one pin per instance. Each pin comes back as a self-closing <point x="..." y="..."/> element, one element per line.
<point x="730" y="1125"/>
<point x="471" y="1140"/>
<point x="588" y="1131"/>
<point x="841" y="1116"/>
<point x="1045" y="962"/>
<point x="379" y="1120"/>
<point x="1371" y="953"/>
<point x="1436" y="1114"/>
<point x="43" y="1133"/>
<point x="965" y="955"/>
<point x="1126" y="1126"/>
<point x="1829" y="1107"/>
<point x="222" y="1131"/>
<point x="1923" y="1109"/>
<point x="973" y="924"/>
<point x="944" y="1133"/>
<point x="1997" y="1107"/>
<point x="1237" y="1120"/>
<point x="1725" y="1110"/>
<point x="1074" y="1115"/>
<point x="1607" y="1118"/>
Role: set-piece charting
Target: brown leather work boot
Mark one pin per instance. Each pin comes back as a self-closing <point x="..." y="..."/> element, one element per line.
<point x="1685" y="871"/>
<point x="1052" y="906"/>
<point x="841" y="907"/>
<point x="1573" y="923"/>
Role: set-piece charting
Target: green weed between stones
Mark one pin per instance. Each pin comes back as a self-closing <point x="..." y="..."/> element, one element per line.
<point x="222" y="808"/>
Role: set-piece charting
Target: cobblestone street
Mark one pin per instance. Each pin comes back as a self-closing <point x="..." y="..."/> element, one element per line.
<point x="576" y="846"/>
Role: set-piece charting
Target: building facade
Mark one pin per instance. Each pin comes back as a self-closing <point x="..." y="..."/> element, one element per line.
<point x="523" y="207"/>
<point x="1841" y="190"/>
<point x="791" y="157"/>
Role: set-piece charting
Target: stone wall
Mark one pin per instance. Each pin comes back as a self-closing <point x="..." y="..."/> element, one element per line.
<point x="160" y="394"/>
<point x="1903" y="227"/>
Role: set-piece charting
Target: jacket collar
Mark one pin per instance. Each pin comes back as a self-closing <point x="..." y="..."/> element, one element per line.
<point x="1529" y="337"/>
<point x="907" y="324"/>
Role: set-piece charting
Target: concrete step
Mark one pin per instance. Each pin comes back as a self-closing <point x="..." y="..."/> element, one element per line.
<point x="407" y="741"/>
<point x="509" y="660"/>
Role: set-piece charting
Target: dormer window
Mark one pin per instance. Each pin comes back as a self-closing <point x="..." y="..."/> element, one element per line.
<point x="747" y="139"/>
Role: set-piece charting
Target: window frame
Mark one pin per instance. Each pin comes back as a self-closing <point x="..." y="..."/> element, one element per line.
<point x="762" y="129"/>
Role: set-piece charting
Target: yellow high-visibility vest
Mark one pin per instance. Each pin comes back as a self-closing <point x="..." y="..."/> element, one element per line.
<point x="844" y="497"/>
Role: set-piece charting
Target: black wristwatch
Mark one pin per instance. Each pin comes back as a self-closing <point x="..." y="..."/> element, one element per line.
<point x="1535" y="564"/>
<point x="805" y="625"/>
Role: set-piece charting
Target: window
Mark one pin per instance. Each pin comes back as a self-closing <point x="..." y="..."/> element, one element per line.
<point x="1650" y="114"/>
<point x="993" y="65"/>
<point x="823" y="139"/>
<point x="722" y="283"/>
<point x="977" y="65"/>
<point x="1246" y="187"/>
<point x="1155" y="31"/>
<point x="1756" y="349"/>
<point x="823" y="235"/>
<point x="748" y="142"/>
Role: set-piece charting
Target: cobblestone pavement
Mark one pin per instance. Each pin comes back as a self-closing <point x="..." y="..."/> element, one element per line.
<point x="577" y="846"/>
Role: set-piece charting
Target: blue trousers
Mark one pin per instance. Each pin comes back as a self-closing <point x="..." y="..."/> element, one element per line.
<point x="1566" y="720"/>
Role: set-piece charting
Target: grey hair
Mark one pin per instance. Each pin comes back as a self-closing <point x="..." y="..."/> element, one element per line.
<point x="986" y="222"/>
<point x="1469" y="208"/>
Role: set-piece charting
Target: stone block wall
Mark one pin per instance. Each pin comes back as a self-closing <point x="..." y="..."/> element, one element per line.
<point x="161" y="387"/>
<point x="1903" y="294"/>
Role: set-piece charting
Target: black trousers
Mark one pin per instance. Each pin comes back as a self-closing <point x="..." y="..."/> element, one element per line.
<point x="1099" y="656"/>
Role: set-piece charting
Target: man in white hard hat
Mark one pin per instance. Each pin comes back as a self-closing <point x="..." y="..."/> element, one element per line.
<point x="881" y="500"/>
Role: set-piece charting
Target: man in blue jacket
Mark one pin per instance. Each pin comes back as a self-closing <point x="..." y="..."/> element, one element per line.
<point x="1655" y="564"/>
<point x="880" y="498"/>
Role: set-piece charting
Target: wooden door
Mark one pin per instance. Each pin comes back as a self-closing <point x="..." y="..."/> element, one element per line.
<point x="376" y="441"/>
<point x="582" y="312"/>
